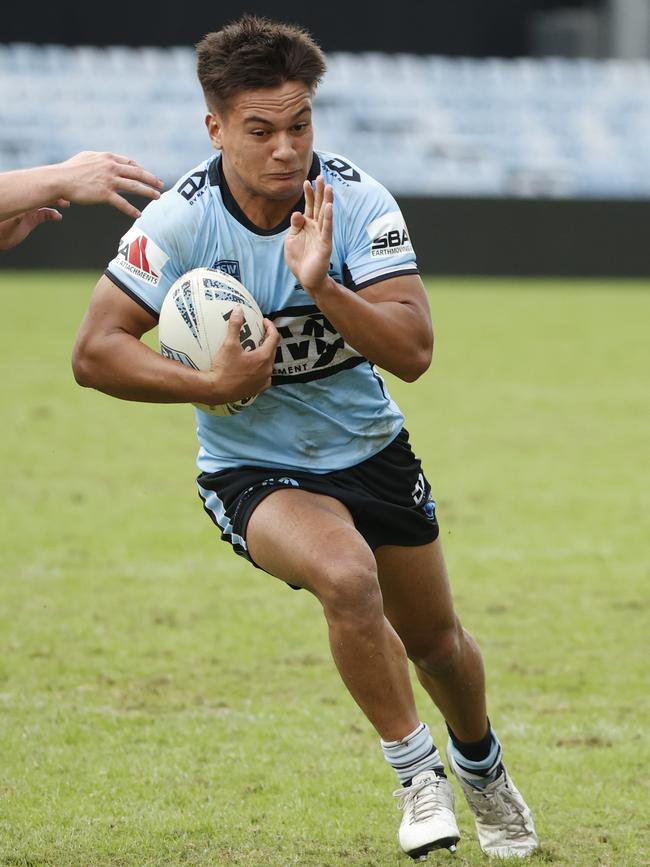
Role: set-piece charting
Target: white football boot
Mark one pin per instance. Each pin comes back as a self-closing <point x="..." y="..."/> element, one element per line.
<point x="429" y="821"/>
<point x="504" y="823"/>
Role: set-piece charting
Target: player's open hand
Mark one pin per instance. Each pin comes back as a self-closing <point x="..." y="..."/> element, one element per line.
<point x="308" y="245"/>
<point x="16" y="229"/>
<point x="90" y="178"/>
<point x="238" y="373"/>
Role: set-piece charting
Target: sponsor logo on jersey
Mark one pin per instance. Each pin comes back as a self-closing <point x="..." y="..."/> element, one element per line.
<point x="194" y="186"/>
<point x="343" y="170"/>
<point x="228" y="266"/>
<point x="141" y="256"/>
<point x="310" y="348"/>
<point x="388" y="235"/>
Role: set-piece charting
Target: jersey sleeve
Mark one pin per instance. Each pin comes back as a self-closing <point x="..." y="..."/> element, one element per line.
<point x="376" y="239"/>
<point x="155" y="251"/>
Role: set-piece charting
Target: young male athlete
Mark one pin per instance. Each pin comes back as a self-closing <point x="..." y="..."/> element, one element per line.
<point x="315" y="482"/>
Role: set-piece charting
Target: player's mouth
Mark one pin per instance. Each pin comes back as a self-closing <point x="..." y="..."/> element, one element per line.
<point x="285" y="176"/>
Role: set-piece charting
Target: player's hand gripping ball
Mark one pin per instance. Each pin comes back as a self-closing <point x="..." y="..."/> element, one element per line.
<point x="193" y="323"/>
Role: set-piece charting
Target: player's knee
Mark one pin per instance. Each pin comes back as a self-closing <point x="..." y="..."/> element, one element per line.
<point x="349" y="589"/>
<point x="439" y="652"/>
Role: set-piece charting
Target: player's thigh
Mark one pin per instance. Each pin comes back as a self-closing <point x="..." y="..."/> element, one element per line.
<point x="417" y="595"/>
<point x="309" y="540"/>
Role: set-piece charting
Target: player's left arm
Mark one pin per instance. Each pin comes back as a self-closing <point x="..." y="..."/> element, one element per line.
<point x="388" y="322"/>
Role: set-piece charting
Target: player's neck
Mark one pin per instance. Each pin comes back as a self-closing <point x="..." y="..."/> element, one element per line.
<point x="263" y="212"/>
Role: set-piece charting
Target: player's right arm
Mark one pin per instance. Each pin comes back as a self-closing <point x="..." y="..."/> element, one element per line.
<point x="110" y="357"/>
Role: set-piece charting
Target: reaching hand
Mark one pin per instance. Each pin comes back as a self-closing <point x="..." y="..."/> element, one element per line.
<point x="16" y="229"/>
<point x="90" y="177"/>
<point x="308" y="245"/>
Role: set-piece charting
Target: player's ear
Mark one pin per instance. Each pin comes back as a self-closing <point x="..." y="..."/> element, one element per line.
<point x="213" y="125"/>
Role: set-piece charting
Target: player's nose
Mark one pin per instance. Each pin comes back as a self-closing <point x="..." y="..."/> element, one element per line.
<point x="283" y="149"/>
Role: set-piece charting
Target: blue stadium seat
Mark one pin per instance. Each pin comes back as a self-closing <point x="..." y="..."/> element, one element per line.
<point x="463" y="127"/>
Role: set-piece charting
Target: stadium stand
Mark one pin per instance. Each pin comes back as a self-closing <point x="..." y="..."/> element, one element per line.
<point x="423" y="125"/>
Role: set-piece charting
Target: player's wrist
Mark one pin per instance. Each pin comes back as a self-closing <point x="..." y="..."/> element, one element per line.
<point x="52" y="183"/>
<point x="327" y="286"/>
<point x="209" y="388"/>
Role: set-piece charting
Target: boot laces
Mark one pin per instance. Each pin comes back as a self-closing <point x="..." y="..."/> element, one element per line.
<point x="423" y="800"/>
<point x="500" y="808"/>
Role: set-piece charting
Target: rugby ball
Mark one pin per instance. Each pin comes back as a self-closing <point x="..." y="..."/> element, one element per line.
<point x="193" y="324"/>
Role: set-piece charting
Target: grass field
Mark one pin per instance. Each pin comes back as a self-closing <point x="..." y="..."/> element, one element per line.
<point x="163" y="703"/>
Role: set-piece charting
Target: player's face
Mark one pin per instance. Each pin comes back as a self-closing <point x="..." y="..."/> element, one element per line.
<point x="266" y="140"/>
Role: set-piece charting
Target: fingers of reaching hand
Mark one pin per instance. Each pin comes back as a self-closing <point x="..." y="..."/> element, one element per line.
<point x="28" y="221"/>
<point x="16" y="229"/>
<point x="129" y="169"/>
<point x="121" y="204"/>
<point x="45" y="214"/>
<point x="134" y="187"/>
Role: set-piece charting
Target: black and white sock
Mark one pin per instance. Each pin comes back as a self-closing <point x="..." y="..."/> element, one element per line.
<point x="479" y="762"/>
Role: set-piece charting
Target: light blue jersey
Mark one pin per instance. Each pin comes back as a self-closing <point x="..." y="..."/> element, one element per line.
<point x="328" y="408"/>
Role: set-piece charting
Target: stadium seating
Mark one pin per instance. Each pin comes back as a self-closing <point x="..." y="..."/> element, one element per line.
<point x="423" y="125"/>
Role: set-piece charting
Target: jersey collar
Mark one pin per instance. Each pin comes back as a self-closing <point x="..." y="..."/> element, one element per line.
<point x="217" y="179"/>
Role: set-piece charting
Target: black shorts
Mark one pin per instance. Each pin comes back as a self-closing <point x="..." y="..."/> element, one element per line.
<point x="387" y="495"/>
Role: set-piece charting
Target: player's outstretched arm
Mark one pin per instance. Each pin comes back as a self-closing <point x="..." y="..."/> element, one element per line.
<point x="389" y="322"/>
<point x="85" y="179"/>
<point x="109" y="356"/>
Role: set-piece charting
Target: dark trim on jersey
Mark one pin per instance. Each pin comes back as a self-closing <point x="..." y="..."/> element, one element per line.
<point x="217" y="178"/>
<point x="214" y="175"/>
<point x="350" y="284"/>
<point x="132" y="295"/>
<point x="310" y="375"/>
<point x="379" y="381"/>
<point x="305" y="309"/>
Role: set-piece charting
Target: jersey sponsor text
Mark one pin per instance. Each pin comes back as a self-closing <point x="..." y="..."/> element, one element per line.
<point x="141" y="256"/>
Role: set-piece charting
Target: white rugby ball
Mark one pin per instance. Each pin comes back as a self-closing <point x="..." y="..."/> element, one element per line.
<point x="193" y="323"/>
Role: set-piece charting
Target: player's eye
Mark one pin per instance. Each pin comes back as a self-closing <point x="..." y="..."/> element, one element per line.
<point x="300" y="127"/>
<point x="260" y="133"/>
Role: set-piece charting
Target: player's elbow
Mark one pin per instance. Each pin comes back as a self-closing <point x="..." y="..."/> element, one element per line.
<point x="418" y="360"/>
<point x="84" y="366"/>
<point x="418" y="364"/>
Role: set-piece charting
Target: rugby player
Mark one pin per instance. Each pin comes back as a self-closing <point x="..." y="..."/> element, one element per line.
<point x="316" y="482"/>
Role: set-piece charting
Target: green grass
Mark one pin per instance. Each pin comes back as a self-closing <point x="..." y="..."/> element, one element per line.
<point x="163" y="703"/>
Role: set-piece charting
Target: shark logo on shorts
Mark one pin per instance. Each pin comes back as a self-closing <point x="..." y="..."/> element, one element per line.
<point x="429" y="508"/>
